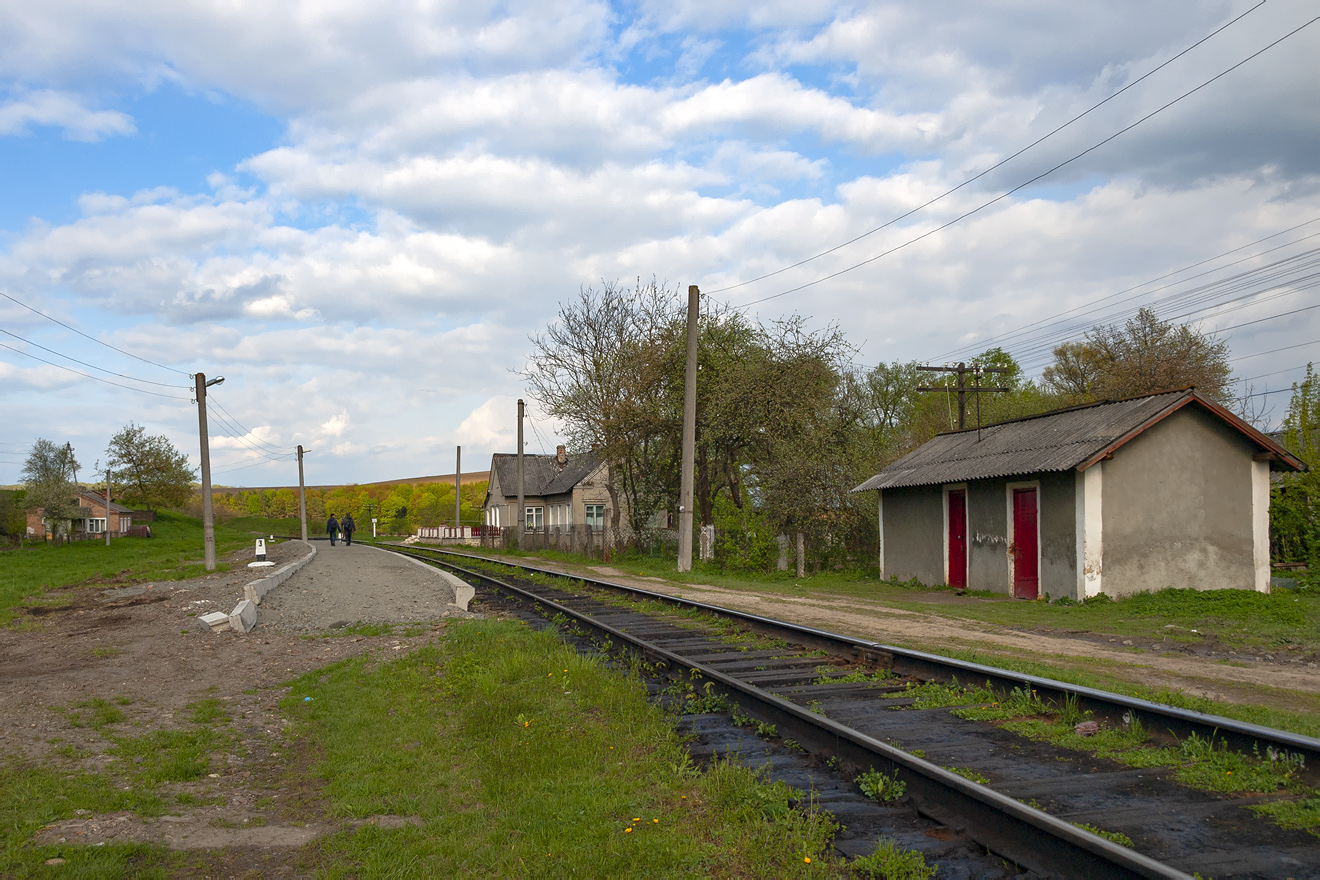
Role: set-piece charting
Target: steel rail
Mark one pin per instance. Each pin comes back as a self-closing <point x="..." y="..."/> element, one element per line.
<point x="1159" y="719"/>
<point x="1022" y="834"/>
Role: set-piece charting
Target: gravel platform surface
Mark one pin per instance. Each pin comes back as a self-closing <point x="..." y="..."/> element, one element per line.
<point x="357" y="584"/>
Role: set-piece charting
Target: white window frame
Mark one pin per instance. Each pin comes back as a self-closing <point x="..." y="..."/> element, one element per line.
<point x="95" y="525"/>
<point x="967" y="530"/>
<point x="534" y="517"/>
<point x="1012" y="541"/>
<point x="587" y="515"/>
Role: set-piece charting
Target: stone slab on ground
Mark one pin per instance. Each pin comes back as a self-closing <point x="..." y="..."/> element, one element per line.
<point x="243" y="617"/>
<point x="215" y="621"/>
<point x="359" y="583"/>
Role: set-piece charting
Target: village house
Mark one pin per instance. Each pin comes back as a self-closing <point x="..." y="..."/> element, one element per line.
<point x="559" y="492"/>
<point x="1164" y="490"/>
<point x="92" y="518"/>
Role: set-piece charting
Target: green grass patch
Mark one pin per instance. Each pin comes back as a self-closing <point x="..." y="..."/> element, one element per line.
<point x="168" y="755"/>
<point x="880" y="786"/>
<point x="1303" y="813"/>
<point x="889" y="861"/>
<point x="1117" y="837"/>
<point x="523" y="758"/>
<point x="95" y="713"/>
<point x="1244" y="620"/>
<point x="172" y="553"/>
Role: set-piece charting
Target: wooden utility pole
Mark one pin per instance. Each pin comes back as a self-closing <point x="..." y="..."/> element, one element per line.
<point x="107" y="505"/>
<point x="689" y="435"/>
<point x="458" y="483"/>
<point x="962" y="371"/>
<point x="522" y="512"/>
<point x="302" y="494"/>
<point x="208" y="517"/>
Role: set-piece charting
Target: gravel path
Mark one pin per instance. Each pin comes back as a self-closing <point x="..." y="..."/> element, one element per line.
<point x="358" y="584"/>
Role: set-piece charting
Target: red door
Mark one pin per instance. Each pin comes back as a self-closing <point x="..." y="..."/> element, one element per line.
<point x="1026" y="558"/>
<point x="958" y="538"/>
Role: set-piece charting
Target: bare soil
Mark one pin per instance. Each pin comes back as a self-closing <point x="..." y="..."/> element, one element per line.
<point x="140" y="647"/>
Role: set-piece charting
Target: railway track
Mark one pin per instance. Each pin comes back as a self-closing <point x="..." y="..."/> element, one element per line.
<point x="865" y="707"/>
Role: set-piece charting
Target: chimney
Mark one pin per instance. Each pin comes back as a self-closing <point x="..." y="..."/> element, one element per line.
<point x="561" y="457"/>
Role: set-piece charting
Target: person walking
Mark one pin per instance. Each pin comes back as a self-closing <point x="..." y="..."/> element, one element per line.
<point x="349" y="528"/>
<point x="332" y="529"/>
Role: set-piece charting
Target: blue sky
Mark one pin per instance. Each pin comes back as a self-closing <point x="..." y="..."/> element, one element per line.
<point x="359" y="214"/>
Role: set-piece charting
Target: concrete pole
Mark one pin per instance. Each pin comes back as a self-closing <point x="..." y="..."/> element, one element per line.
<point x="689" y="435"/>
<point x="522" y="512"/>
<point x="208" y="519"/>
<point x="302" y="494"/>
<point x="801" y="555"/>
<point x="458" y="484"/>
<point x="107" y="505"/>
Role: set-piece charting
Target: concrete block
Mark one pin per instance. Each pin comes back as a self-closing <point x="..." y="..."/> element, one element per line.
<point x="243" y="617"/>
<point x="216" y="621"/>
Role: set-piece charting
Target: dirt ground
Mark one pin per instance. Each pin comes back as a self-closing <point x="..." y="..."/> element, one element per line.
<point x="140" y="647"/>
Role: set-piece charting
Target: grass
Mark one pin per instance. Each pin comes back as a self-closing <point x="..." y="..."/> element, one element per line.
<point x="172" y="553"/>
<point x="1241" y="620"/>
<point x="889" y="861"/>
<point x="523" y="758"/>
<point x="32" y="796"/>
<point x="265" y="525"/>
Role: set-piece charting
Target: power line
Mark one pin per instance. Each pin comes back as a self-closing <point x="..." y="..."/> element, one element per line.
<point x="1088" y="307"/>
<point x="236" y="434"/>
<point x="248" y="431"/>
<point x="998" y="164"/>
<point x="92" y="338"/>
<point x="1275" y="373"/>
<point x="85" y="364"/>
<point x="89" y="376"/>
<point x="1274" y="350"/>
<point x="1027" y="183"/>
<point x="1269" y="318"/>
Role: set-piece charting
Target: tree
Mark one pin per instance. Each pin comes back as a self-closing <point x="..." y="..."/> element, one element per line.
<point x="1295" y="499"/>
<point x="50" y="478"/>
<point x="1143" y="356"/>
<point x="13" y="520"/>
<point x="148" y="470"/>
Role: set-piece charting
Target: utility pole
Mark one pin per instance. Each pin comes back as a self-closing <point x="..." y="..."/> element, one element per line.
<point x="962" y="371"/>
<point x="522" y="512"/>
<point x="302" y="494"/>
<point x="208" y="518"/>
<point x="689" y="434"/>
<point x="458" y="482"/>
<point x="107" y="505"/>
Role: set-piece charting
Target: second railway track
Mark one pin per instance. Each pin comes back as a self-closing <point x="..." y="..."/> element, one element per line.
<point x="863" y="706"/>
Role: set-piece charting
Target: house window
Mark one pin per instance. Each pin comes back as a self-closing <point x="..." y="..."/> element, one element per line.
<point x="595" y="514"/>
<point x="95" y="526"/>
<point x="125" y="523"/>
<point x="535" y="517"/>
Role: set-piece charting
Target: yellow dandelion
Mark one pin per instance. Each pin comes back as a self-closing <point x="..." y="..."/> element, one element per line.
<point x="638" y="819"/>
<point x="655" y="821"/>
<point x="627" y="831"/>
<point x="807" y="859"/>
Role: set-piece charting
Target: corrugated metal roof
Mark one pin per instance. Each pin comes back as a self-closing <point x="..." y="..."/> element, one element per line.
<point x="1051" y="442"/>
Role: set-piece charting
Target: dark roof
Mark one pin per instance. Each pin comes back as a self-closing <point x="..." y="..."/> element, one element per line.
<point x="1067" y="439"/>
<point x="541" y="473"/>
<point x="99" y="498"/>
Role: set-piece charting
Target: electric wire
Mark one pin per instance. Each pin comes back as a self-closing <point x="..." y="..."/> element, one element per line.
<point x="85" y="364"/>
<point x="92" y="338"/>
<point x="1001" y="163"/>
<point x="1038" y="177"/>
<point x="1092" y="306"/>
<point x="248" y="431"/>
<point x="1273" y="351"/>
<point x="1274" y="373"/>
<point x="90" y="376"/>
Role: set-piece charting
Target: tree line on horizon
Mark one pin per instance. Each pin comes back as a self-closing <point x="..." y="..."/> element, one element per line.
<point x="401" y="508"/>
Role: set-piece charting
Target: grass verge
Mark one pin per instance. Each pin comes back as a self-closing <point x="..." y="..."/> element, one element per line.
<point x="520" y="757"/>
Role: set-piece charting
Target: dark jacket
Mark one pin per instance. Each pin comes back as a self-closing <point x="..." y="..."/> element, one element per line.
<point x="349" y="526"/>
<point x="332" y="526"/>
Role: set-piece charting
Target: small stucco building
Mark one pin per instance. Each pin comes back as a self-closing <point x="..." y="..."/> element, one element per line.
<point x="1165" y="490"/>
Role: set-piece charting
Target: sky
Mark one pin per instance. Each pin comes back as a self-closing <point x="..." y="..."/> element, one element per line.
<point x="358" y="213"/>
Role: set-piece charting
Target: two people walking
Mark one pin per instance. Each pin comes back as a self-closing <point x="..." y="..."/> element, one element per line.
<point x="334" y="528"/>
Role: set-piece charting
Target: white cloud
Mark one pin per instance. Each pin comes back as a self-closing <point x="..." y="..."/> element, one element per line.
<point x="65" y="111"/>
